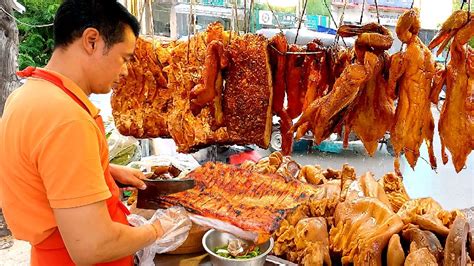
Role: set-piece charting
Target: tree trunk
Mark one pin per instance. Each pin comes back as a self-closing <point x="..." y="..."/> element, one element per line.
<point x="8" y="53"/>
<point x="8" y="82"/>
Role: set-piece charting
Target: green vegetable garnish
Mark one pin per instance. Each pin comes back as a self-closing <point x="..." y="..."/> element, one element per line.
<point x="223" y="252"/>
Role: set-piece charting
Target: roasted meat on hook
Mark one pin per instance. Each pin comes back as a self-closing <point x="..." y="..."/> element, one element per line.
<point x="323" y="114"/>
<point x="411" y="75"/>
<point x="456" y="123"/>
<point x="294" y="75"/>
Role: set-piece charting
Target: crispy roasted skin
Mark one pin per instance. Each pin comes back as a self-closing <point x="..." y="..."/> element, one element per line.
<point x="178" y="92"/>
<point x="248" y="93"/>
<point x="141" y="101"/>
<point x="414" y="72"/>
<point x="363" y="229"/>
<point x="456" y="123"/>
<point x="251" y="201"/>
<point x="185" y="71"/>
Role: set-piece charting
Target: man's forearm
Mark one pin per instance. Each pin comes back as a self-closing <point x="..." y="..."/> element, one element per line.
<point x="126" y="240"/>
<point x="92" y="237"/>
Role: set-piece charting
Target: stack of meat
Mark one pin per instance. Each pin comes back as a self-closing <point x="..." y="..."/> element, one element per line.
<point x="183" y="95"/>
<point x="322" y="216"/>
<point x="221" y="88"/>
<point x="365" y="222"/>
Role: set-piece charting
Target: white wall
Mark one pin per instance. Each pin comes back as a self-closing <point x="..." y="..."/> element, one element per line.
<point x="433" y="12"/>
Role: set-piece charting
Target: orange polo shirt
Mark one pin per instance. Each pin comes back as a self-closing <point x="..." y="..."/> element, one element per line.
<point x="52" y="155"/>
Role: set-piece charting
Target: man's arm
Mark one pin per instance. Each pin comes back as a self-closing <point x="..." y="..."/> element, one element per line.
<point x="92" y="237"/>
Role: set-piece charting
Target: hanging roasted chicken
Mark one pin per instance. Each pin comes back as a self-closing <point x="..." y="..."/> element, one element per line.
<point x="456" y="123"/>
<point x="411" y="74"/>
<point x="372" y="113"/>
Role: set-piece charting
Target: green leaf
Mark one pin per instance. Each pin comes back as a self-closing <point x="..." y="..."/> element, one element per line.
<point x="36" y="43"/>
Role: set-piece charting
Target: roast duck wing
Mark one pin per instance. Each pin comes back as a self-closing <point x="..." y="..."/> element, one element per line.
<point x="411" y="75"/>
<point x="456" y="122"/>
<point x="242" y="202"/>
<point x="363" y="229"/>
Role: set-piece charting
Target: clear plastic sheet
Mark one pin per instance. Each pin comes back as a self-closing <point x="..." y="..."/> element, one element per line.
<point x="176" y="225"/>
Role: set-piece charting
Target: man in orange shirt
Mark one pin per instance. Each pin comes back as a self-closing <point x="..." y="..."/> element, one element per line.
<point x="57" y="188"/>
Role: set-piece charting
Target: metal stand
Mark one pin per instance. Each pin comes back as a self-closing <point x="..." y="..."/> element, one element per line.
<point x="213" y="153"/>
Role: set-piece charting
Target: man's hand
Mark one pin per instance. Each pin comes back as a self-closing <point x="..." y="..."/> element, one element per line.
<point x="127" y="176"/>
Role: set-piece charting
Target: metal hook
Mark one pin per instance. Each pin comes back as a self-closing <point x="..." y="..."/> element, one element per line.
<point x="301" y="20"/>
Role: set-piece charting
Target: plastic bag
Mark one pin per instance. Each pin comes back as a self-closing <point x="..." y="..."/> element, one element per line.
<point x="176" y="225"/>
<point x="122" y="149"/>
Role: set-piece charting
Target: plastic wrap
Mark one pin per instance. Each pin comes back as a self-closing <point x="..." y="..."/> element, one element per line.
<point x="176" y="225"/>
<point x="122" y="149"/>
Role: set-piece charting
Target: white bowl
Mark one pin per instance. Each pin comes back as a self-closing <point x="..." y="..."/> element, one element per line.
<point x="214" y="238"/>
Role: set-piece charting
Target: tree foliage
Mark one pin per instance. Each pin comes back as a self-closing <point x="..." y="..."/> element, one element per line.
<point x="317" y="7"/>
<point x="36" y="44"/>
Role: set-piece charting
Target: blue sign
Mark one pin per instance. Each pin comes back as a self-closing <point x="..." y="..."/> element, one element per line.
<point x="314" y="21"/>
<point x="213" y="2"/>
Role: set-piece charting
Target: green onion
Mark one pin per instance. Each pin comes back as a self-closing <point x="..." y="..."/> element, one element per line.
<point x="224" y="252"/>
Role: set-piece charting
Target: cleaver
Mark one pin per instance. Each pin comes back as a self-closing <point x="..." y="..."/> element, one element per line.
<point x="149" y="198"/>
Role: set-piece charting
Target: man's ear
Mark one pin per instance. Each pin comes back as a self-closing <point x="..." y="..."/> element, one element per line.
<point x="90" y="38"/>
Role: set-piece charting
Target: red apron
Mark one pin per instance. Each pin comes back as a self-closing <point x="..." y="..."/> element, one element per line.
<point x="52" y="250"/>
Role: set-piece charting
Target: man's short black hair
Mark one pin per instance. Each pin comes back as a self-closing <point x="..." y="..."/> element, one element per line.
<point x="107" y="16"/>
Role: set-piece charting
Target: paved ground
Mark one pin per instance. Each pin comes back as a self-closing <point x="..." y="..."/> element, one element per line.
<point x="449" y="188"/>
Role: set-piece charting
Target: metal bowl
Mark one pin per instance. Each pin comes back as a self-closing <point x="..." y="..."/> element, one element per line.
<point x="214" y="238"/>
